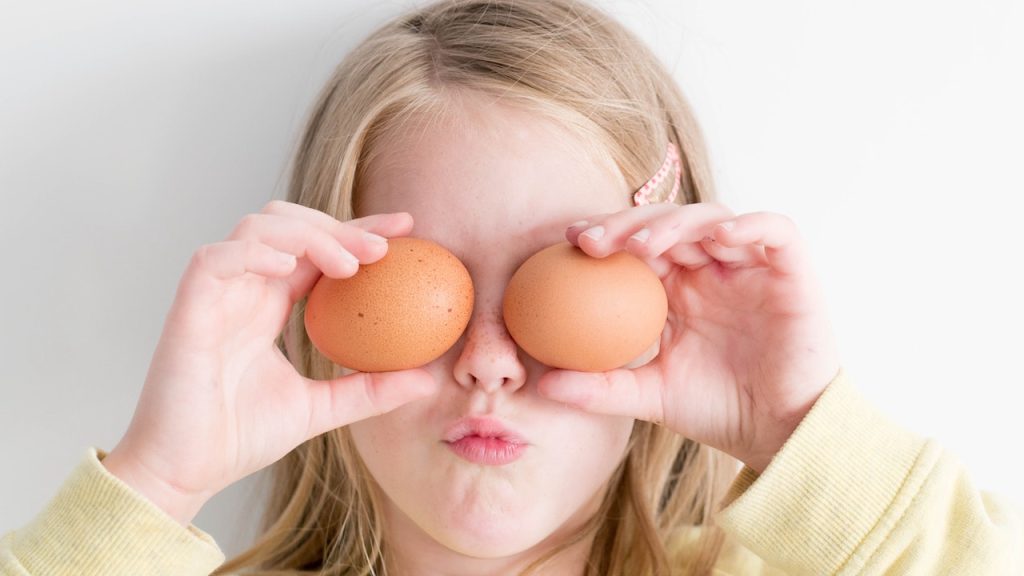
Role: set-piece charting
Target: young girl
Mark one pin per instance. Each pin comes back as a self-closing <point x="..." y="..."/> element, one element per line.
<point x="496" y="129"/>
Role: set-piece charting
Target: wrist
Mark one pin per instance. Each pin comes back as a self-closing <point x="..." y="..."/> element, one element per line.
<point x="758" y="459"/>
<point x="775" y="426"/>
<point x="775" y="434"/>
<point x="181" y="506"/>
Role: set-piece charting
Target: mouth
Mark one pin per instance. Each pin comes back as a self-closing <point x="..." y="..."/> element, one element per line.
<point x="484" y="441"/>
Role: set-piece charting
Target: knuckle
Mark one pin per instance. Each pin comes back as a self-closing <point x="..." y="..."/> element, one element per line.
<point x="788" y="224"/>
<point x="202" y="255"/>
<point x="246" y="226"/>
<point x="369" y="389"/>
<point x="784" y="219"/>
<point x="714" y="206"/>
<point x="250" y="248"/>
<point x="274" y="207"/>
<point x="249" y="221"/>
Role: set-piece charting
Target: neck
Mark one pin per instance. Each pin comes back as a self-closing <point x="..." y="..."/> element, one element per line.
<point x="569" y="561"/>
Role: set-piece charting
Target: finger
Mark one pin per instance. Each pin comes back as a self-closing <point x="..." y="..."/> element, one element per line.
<point x="348" y="399"/>
<point x="606" y="228"/>
<point x="387" y="225"/>
<point x="690" y="255"/>
<point x="748" y="256"/>
<point x="687" y="224"/>
<point x="606" y="235"/>
<point x="334" y="257"/>
<point x="784" y="248"/>
<point x="379" y="227"/>
<point x="635" y="393"/>
<point x="227" y="260"/>
<point x="574" y="230"/>
<point x="319" y="253"/>
<point x="596" y="226"/>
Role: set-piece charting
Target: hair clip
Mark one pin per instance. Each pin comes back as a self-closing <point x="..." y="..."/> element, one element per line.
<point x="642" y="196"/>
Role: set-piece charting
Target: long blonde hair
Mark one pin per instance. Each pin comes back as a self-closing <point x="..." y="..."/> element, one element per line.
<point x="572" y="63"/>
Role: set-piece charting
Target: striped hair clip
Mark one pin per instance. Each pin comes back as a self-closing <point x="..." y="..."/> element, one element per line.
<point x="642" y="196"/>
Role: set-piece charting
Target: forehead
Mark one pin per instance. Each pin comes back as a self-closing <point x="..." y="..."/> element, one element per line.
<point x="490" y="174"/>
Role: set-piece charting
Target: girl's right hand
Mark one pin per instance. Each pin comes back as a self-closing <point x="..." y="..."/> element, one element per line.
<point x="220" y="400"/>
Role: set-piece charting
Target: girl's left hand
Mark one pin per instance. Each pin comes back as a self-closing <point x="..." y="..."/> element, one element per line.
<point x="747" y="348"/>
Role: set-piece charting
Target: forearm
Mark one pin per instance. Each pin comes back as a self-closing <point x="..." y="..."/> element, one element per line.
<point x="851" y="493"/>
<point x="96" y="525"/>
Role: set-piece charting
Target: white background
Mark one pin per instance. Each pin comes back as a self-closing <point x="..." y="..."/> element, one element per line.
<point x="132" y="133"/>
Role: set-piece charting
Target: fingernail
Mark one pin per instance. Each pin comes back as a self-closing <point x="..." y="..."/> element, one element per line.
<point x="595" y="233"/>
<point x="579" y="224"/>
<point x="727" y="225"/>
<point x="348" y="257"/>
<point x="374" y="239"/>
<point x="641" y="236"/>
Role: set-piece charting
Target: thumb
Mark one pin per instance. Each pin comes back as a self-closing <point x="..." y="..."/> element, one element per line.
<point x="335" y="403"/>
<point x="624" y="392"/>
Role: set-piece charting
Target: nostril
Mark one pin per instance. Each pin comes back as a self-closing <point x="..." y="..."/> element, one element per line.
<point x="489" y="368"/>
<point x="492" y="386"/>
<point x="488" y="359"/>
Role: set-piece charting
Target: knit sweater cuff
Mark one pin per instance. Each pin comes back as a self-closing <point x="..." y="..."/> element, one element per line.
<point x="834" y="491"/>
<point x="96" y="524"/>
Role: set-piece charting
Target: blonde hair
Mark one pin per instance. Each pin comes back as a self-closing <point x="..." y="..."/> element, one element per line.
<point x="572" y="63"/>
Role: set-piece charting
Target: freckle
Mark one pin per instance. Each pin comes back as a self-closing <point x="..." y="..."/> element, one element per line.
<point x="360" y="314"/>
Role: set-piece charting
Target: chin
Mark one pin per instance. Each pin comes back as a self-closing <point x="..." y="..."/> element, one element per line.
<point x="499" y="533"/>
<point x="494" y="544"/>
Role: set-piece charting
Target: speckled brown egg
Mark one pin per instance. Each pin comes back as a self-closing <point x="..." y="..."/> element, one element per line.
<point x="573" y="311"/>
<point x="400" y="312"/>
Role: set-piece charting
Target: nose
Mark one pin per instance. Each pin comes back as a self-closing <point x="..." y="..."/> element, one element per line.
<point x="489" y="360"/>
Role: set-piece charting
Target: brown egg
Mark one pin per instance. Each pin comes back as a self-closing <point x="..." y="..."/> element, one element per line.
<point x="570" y="310"/>
<point x="400" y="312"/>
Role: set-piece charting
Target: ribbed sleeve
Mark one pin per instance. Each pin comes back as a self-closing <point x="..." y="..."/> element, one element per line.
<point x="852" y="493"/>
<point x="96" y="524"/>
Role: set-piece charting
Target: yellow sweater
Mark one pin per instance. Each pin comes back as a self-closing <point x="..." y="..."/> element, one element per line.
<point x="849" y="493"/>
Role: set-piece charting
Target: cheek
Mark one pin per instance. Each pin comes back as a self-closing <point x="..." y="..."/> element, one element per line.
<point x="577" y="458"/>
<point x="372" y="438"/>
<point x="593" y="448"/>
<point x="386" y="443"/>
